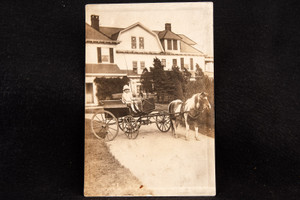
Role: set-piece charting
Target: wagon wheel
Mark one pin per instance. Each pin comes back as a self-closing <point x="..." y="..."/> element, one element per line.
<point x="120" y="122"/>
<point x="163" y="121"/>
<point x="130" y="127"/>
<point x="104" y="125"/>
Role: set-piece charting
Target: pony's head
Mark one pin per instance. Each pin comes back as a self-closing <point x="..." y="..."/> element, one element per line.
<point x="201" y="101"/>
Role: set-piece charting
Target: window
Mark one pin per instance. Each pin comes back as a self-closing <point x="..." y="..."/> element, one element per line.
<point x="174" y="44"/>
<point x="163" y="62"/>
<point x="141" y="43"/>
<point x="142" y="63"/>
<point x="191" y="64"/>
<point x="174" y="62"/>
<point x="104" y="54"/>
<point x="111" y="55"/>
<point x="104" y="58"/>
<point x="133" y="42"/>
<point x="182" y="63"/>
<point x="169" y="44"/>
<point x="134" y="67"/>
<point x="99" y="54"/>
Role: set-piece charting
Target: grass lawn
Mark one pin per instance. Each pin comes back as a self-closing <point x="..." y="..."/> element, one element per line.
<point x="104" y="175"/>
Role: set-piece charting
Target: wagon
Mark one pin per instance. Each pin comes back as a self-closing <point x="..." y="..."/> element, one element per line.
<point x="115" y="116"/>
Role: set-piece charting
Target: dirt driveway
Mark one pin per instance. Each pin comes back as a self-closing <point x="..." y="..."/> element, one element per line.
<point x="165" y="165"/>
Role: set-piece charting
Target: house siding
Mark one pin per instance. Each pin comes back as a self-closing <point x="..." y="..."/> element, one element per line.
<point x="119" y="53"/>
<point x="150" y="41"/>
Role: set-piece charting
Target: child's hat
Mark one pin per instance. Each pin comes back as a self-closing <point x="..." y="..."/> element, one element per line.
<point x="126" y="87"/>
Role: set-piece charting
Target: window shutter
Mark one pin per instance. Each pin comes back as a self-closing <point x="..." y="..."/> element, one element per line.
<point x="111" y="55"/>
<point x="182" y="63"/>
<point x="141" y="43"/>
<point x="133" y="42"/>
<point x="99" y="55"/>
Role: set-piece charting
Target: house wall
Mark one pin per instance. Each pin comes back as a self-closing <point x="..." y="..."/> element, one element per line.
<point x="125" y="61"/>
<point x="90" y="80"/>
<point x="209" y="67"/>
<point x="150" y="41"/>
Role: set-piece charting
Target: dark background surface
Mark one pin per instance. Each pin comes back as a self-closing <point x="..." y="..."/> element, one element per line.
<point x="42" y="99"/>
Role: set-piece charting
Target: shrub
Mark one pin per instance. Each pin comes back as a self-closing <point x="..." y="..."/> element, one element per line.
<point x="108" y="86"/>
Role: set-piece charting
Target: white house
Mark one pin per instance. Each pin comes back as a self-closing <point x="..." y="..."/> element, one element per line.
<point x="118" y="52"/>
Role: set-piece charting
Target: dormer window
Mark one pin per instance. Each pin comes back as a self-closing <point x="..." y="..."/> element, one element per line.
<point x="169" y="44"/>
<point x="174" y="44"/>
<point x="133" y="42"/>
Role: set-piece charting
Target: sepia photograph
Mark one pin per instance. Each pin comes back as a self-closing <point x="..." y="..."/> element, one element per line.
<point x="149" y="100"/>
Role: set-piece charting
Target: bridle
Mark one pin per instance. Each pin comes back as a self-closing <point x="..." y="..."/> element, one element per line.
<point x="197" y="115"/>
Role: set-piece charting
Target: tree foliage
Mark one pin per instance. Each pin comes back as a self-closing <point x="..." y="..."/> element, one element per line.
<point x="177" y="84"/>
<point x="108" y="86"/>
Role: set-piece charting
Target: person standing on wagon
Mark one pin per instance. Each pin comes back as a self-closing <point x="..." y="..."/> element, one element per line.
<point x="129" y="100"/>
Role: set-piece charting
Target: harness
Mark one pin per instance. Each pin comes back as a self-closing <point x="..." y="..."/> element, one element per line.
<point x="195" y="116"/>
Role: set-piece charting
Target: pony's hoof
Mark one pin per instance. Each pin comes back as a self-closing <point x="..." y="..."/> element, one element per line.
<point x="198" y="139"/>
<point x="186" y="138"/>
<point x="175" y="136"/>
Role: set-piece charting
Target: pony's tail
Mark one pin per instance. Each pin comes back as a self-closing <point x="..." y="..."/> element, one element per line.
<point x="171" y="110"/>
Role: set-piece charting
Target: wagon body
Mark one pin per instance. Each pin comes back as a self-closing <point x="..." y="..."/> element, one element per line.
<point x="116" y="107"/>
<point x="117" y="115"/>
<point x="119" y="109"/>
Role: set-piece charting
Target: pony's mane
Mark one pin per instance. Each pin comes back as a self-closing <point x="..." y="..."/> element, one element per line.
<point x="192" y="98"/>
<point x="191" y="101"/>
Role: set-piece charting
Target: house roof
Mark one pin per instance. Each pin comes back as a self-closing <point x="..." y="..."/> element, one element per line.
<point x="187" y="40"/>
<point x="93" y="34"/>
<point x="166" y="34"/>
<point x="108" y="69"/>
<point x="186" y="48"/>
<point x="104" y="69"/>
<point x="111" y="32"/>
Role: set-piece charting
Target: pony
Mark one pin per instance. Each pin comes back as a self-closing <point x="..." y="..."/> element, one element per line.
<point x="191" y="110"/>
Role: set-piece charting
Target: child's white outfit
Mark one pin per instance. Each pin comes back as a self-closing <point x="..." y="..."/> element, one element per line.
<point x="129" y="100"/>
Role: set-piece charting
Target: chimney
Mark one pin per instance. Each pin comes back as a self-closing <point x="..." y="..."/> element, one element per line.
<point x="168" y="26"/>
<point x="95" y="22"/>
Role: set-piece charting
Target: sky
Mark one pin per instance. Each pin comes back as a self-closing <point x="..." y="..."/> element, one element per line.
<point x="195" y="20"/>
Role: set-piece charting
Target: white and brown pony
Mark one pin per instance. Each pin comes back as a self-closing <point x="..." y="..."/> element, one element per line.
<point x="191" y="110"/>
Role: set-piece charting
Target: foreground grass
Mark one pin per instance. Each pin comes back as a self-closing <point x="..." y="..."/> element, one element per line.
<point x="104" y="175"/>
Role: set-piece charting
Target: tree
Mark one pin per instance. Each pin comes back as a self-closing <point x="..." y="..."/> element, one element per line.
<point x="178" y="79"/>
<point x="158" y="78"/>
<point x="146" y="81"/>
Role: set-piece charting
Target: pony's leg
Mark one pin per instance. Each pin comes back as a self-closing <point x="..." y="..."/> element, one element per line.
<point x="174" y="126"/>
<point x="197" y="134"/>
<point x="187" y="127"/>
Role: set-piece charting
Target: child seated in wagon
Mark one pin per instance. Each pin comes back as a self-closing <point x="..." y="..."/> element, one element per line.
<point x="129" y="100"/>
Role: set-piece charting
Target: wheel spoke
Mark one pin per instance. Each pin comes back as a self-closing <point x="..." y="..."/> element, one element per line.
<point x="112" y="128"/>
<point x="107" y="136"/>
<point x="109" y="121"/>
<point x="96" y="123"/>
<point x="103" y="118"/>
<point x="98" y="118"/>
